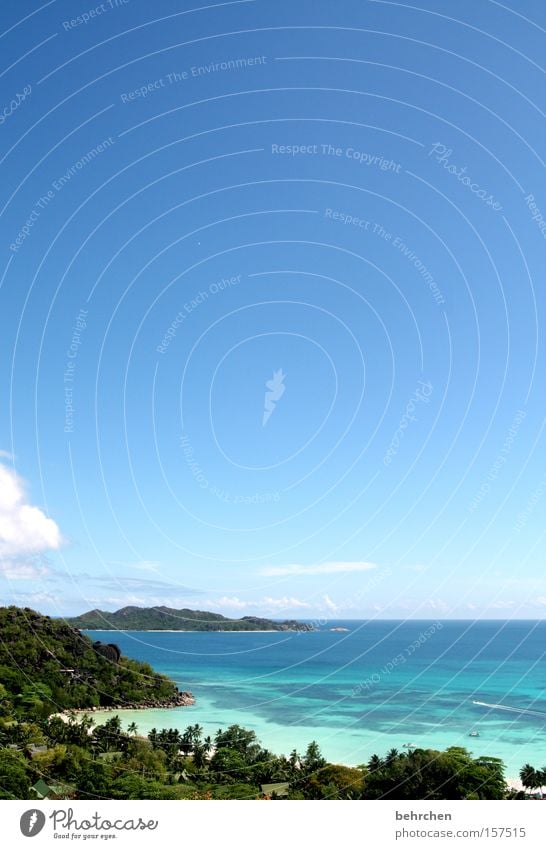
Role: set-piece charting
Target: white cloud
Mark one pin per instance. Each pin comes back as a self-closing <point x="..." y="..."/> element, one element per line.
<point x="267" y="603"/>
<point x="284" y="603"/>
<point x="330" y="605"/>
<point x="36" y="598"/>
<point x="17" y="571"/>
<point x="318" y="569"/>
<point x="25" y="531"/>
<point x="141" y="565"/>
<point x="437" y="604"/>
<point x="146" y="565"/>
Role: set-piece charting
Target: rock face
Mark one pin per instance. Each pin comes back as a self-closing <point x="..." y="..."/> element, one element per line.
<point x="108" y="650"/>
<point x="180" y="699"/>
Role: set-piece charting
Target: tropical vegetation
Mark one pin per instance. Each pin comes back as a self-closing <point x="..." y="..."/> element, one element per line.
<point x="47" y="669"/>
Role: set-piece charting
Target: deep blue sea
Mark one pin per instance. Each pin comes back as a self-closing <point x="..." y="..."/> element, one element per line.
<point x="362" y="691"/>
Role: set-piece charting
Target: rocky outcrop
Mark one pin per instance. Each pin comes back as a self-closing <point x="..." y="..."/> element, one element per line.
<point x="108" y="650"/>
<point x="180" y="699"/>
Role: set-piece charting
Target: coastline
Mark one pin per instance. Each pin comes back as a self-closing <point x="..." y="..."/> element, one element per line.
<point x="181" y="699"/>
<point x="280" y="693"/>
<point x="191" y="631"/>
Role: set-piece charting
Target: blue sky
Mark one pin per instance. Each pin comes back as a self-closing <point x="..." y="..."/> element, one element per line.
<point x="270" y="304"/>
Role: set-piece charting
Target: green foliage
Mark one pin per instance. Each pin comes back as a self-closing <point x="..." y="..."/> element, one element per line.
<point x="531" y="778"/>
<point x="429" y="774"/>
<point x="46" y="666"/>
<point x="334" y="781"/>
<point x="14" y="775"/>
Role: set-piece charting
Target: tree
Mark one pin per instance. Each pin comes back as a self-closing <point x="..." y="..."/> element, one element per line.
<point x="313" y="760"/>
<point x="530" y="777"/>
<point x="429" y="774"/>
<point x="109" y="737"/>
<point x="14" y="780"/>
<point x="132" y="728"/>
<point x="228" y="765"/>
<point x="392" y="754"/>
<point x="335" y="781"/>
<point x="375" y="763"/>
<point x="240" y="740"/>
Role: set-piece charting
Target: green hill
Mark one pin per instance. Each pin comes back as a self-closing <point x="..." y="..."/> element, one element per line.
<point x="168" y="619"/>
<point x="46" y="665"/>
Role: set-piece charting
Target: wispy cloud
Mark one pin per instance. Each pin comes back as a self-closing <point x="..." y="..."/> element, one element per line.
<point x="35" y="599"/>
<point x="318" y="569"/>
<point x="267" y="603"/>
<point x="330" y="605"/>
<point x="16" y="570"/>
<point x="144" y="584"/>
<point x="140" y="565"/>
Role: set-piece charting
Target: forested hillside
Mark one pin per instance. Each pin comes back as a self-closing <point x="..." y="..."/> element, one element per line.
<point x="46" y="665"/>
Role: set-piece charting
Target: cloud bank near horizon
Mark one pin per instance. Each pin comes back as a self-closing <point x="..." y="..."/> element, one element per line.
<point x="330" y="568"/>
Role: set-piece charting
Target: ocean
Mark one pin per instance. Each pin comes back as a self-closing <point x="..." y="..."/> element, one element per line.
<point x="360" y="691"/>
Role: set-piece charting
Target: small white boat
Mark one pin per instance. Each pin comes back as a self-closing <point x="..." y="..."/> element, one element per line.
<point x="473" y="733"/>
<point x="409" y="746"/>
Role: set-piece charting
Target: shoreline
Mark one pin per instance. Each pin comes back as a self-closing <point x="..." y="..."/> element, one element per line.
<point x="181" y="699"/>
<point x="512" y="782"/>
<point x="192" y="631"/>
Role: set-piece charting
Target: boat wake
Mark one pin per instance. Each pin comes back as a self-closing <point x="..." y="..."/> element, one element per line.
<point x="511" y="709"/>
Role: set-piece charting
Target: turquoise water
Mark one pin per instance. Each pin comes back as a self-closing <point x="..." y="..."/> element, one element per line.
<point x="378" y="685"/>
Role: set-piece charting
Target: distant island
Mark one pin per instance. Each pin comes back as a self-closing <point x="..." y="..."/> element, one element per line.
<point x="134" y="618"/>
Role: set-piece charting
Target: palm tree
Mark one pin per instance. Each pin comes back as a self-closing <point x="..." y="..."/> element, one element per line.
<point x="132" y="728"/>
<point x="391" y="756"/>
<point x="200" y="752"/>
<point x="530" y="777"/>
<point x="375" y="763"/>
